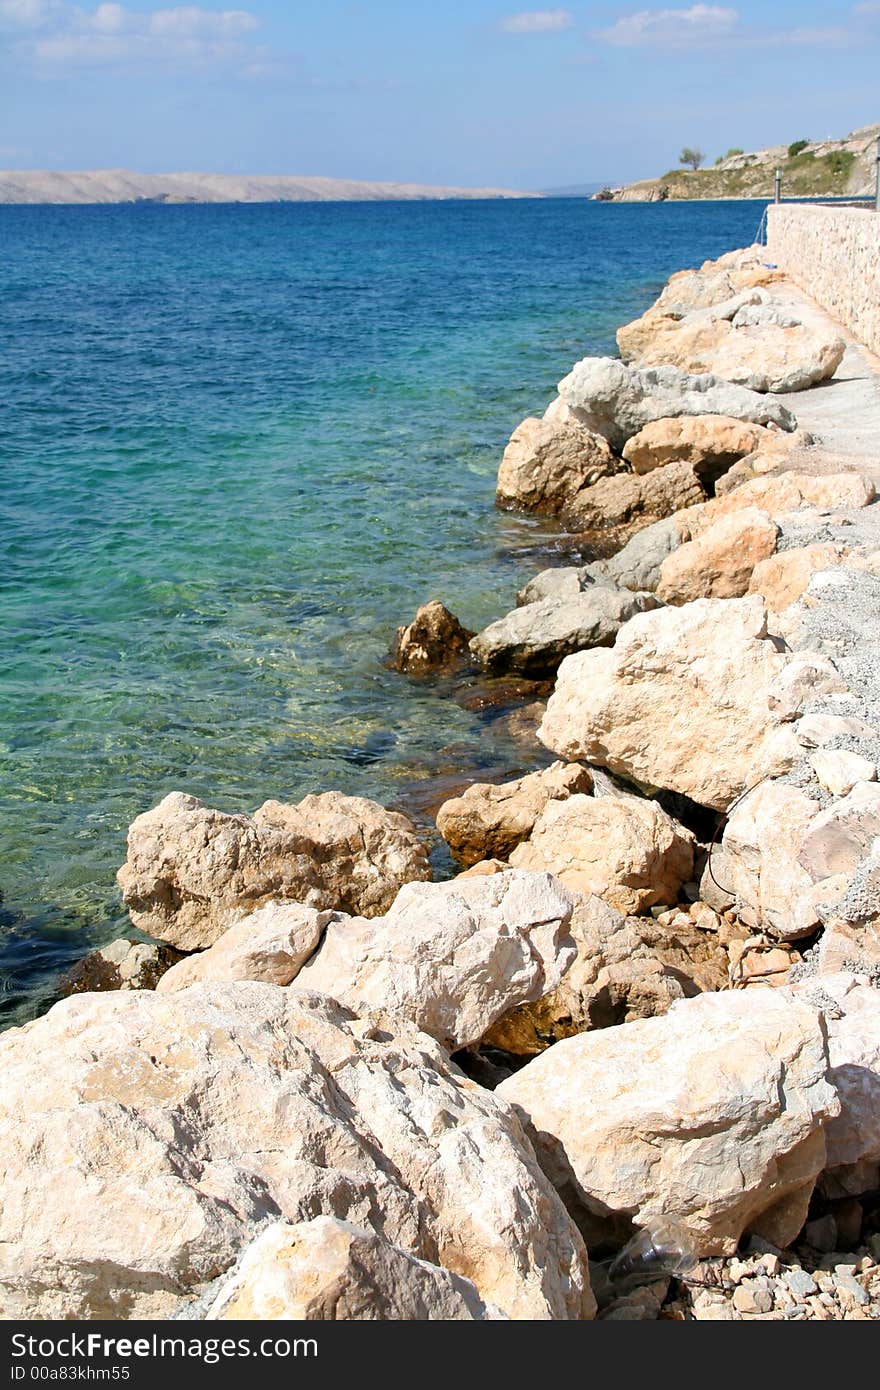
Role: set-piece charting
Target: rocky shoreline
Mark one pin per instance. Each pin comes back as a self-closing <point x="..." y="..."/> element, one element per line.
<point x="330" y="1088"/>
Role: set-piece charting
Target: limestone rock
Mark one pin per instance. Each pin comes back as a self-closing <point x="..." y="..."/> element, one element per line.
<point x="778" y="495"/>
<point x="838" y="770"/>
<point x="548" y="462"/>
<point x="623" y="849"/>
<point x="626" y="968"/>
<point x="271" y="945"/>
<point x="617" y="401"/>
<point x="452" y="957"/>
<point x="681" y="702"/>
<point x="765" y="357"/>
<point x="713" y="1113"/>
<point x="851" y="1008"/>
<point x="535" y="638"/>
<point x="783" y="577"/>
<point x="637" y="565"/>
<point x="710" y="443"/>
<point x="121" y="965"/>
<point x="564" y="581"/>
<point x="759" y="866"/>
<point x="771" y="358"/>
<point x="433" y="641"/>
<point x="489" y="821"/>
<point x="192" y="871"/>
<point x="840" y="837"/>
<point x="626" y="503"/>
<point x="326" y="1270"/>
<point x="168" y="1127"/>
<point x="721" y="561"/>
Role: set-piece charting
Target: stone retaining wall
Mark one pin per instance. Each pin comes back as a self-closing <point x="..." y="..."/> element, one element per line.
<point x="834" y="255"/>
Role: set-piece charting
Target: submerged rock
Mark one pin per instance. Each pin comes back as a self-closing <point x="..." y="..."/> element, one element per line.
<point x="192" y="871"/>
<point x="169" y="1127"/>
<point x="488" y="821"/>
<point x="121" y="965"/>
<point x="434" y="641"/>
<point x="713" y="1113"/>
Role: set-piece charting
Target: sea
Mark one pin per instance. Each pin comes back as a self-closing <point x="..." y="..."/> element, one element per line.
<point x="239" y="445"/>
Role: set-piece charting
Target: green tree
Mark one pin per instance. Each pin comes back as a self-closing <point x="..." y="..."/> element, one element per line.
<point x="693" y="158"/>
<point x="796" y="148"/>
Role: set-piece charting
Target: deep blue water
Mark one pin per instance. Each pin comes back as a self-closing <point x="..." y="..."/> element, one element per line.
<point x="238" y="445"/>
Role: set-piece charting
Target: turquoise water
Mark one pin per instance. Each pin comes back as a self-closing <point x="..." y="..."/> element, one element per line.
<point x="238" y="445"/>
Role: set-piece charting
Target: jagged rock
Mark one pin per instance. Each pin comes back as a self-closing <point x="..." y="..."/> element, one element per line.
<point x="535" y="638"/>
<point x="328" y="1270"/>
<point x="713" y="1113"/>
<point x="756" y="315"/>
<point x="759" y="864"/>
<point x="681" y="701"/>
<point x="141" y="1163"/>
<point x="548" y="462"/>
<point x="761" y="358"/>
<point x="192" y="871"/>
<point x="771" y="358"/>
<point x="851" y="1008"/>
<point x="452" y="957"/>
<point x="433" y="641"/>
<point x="721" y="561"/>
<point x="489" y="821"/>
<point x="778" y="495"/>
<point x="271" y="945"/>
<point x="617" y="401"/>
<point x="710" y="443"/>
<point x="840" y="837"/>
<point x="562" y="582"/>
<point x="121" y="965"/>
<point x="637" y="565"/>
<point x="623" y="849"/>
<point x="626" y="968"/>
<point x="783" y="577"/>
<point x="838" y="770"/>
<point x="626" y="503"/>
<point x="804" y="677"/>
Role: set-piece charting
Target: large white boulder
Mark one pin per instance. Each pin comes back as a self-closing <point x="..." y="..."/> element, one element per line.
<point x="713" y="1113"/>
<point x="145" y="1138"/>
<point x="192" y="871"/>
<point x="684" y="701"/>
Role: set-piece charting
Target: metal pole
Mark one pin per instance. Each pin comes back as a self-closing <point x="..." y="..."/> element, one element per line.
<point x="877" y="189"/>
<point x="777" y="196"/>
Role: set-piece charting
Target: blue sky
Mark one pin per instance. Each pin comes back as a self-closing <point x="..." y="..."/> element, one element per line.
<point x="449" y="92"/>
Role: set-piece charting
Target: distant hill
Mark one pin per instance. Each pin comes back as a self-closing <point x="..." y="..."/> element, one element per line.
<point x="572" y="190"/>
<point x="815" y="169"/>
<point x="123" y="186"/>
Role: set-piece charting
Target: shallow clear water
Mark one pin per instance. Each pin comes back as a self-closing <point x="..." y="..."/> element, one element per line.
<point x="238" y="445"/>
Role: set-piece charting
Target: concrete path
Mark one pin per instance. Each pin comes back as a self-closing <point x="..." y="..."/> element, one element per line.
<point x="843" y="413"/>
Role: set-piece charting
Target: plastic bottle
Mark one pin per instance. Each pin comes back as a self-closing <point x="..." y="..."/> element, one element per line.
<point x="663" y="1246"/>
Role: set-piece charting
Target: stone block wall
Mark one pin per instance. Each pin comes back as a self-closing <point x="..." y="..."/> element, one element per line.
<point x="833" y="253"/>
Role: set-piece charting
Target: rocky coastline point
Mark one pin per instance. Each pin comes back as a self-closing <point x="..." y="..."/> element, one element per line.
<point x="329" y="1088"/>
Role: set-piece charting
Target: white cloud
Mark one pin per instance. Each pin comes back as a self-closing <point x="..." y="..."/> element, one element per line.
<point x="58" y="33"/>
<point x="699" y="24"/>
<point x="24" y="14"/>
<point x="538" y="22"/>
